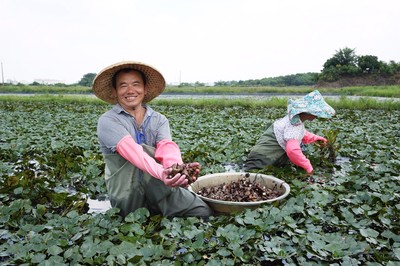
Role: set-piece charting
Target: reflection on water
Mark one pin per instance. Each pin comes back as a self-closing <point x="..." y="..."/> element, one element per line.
<point x="261" y="96"/>
<point x="98" y="206"/>
<point x="341" y="160"/>
<point x="251" y="96"/>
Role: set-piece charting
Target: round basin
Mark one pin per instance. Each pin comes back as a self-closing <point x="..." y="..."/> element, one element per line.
<point x="222" y="206"/>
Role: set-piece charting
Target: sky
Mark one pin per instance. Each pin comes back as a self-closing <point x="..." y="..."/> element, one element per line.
<point x="190" y="40"/>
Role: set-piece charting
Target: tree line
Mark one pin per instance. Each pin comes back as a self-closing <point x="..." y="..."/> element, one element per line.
<point x="343" y="64"/>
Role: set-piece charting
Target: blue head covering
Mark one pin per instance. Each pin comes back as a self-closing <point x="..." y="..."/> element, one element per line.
<point x="312" y="103"/>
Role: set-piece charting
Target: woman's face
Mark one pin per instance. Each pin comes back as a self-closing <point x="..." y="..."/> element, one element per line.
<point x="129" y="89"/>
<point x="307" y="117"/>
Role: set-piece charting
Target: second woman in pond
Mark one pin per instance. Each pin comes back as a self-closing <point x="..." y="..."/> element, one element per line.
<point x="281" y="141"/>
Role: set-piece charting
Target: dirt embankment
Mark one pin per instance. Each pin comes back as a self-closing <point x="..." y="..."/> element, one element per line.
<point x="367" y="80"/>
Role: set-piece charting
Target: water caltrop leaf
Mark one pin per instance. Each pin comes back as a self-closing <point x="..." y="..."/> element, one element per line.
<point x="193" y="232"/>
<point x="347" y="214"/>
<point x="224" y="252"/>
<point x="38" y="258"/>
<point x="54" y="250"/>
<point x="139" y="216"/>
<point x="369" y="232"/>
<point x="396" y="252"/>
<point x="134" y="228"/>
<point x="126" y="248"/>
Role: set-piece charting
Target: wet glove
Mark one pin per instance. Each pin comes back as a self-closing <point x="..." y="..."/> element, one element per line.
<point x="168" y="153"/>
<point x="135" y="154"/>
<point x="310" y="138"/>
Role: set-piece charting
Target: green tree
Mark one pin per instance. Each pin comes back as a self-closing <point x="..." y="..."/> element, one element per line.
<point x="343" y="57"/>
<point x="199" y="84"/>
<point x="368" y="63"/>
<point x="389" y="69"/>
<point x="343" y="63"/>
<point x="87" y="80"/>
<point x="35" y="83"/>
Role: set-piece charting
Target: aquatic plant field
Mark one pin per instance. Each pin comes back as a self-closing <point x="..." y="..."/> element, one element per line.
<point x="346" y="213"/>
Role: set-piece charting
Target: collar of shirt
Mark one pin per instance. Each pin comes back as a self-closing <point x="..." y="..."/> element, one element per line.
<point x="118" y="109"/>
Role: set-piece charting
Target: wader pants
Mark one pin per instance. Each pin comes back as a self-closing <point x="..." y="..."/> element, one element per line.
<point x="266" y="152"/>
<point x="129" y="188"/>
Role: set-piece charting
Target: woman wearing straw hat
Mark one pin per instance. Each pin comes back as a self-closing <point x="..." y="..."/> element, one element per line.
<point x="281" y="141"/>
<point x="137" y="147"/>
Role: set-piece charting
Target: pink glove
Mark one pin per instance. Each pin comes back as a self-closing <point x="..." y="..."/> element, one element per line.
<point x="134" y="153"/>
<point x="296" y="156"/>
<point x="310" y="138"/>
<point x="168" y="153"/>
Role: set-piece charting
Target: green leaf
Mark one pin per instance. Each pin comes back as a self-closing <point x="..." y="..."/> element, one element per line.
<point x="18" y="190"/>
<point x="192" y="233"/>
<point x="38" y="258"/>
<point x="72" y="214"/>
<point x="133" y="228"/>
<point x="54" y="250"/>
<point x="224" y="252"/>
<point x="139" y="216"/>
<point x="396" y="252"/>
<point x="128" y="249"/>
<point x="369" y="233"/>
<point x="88" y="248"/>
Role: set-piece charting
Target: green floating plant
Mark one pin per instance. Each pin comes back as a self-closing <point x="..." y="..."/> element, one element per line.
<point x="328" y="151"/>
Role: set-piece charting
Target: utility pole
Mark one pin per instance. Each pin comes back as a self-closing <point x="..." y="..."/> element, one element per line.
<point x="2" y="74"/>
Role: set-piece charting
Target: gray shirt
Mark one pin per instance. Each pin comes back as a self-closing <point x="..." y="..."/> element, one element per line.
<point x="117" y="123"/>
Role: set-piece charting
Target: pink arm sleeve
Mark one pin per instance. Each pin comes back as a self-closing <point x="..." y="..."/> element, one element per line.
<point x="296" y="156"/>
<point x="134" y="153"/>
<point x="310" y="138"/>
<point x="168" y="153"/>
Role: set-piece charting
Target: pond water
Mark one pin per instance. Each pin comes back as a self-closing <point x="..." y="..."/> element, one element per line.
<point x="98" y="206"/>
<point x="259" y="96"/>
<point x="250" y="96"/>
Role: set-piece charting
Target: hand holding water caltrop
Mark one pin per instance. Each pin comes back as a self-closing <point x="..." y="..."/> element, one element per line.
<point x="190" y="170"/>
<point x="328" y="150"/>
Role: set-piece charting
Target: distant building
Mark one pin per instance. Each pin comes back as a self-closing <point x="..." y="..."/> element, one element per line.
<point x="11" y="81"/>
<point x="49" y="81"/>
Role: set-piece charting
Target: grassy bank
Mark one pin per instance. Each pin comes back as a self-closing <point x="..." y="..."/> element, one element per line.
<point x="381" y="91"/>
<point x="44" y="89"/>
<point x="342" y="102"/>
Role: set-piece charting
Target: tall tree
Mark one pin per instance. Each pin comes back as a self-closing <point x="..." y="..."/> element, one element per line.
<point x="87" y="80"/>
<point x="368" y="63"/>
<point x="343" y="57"/>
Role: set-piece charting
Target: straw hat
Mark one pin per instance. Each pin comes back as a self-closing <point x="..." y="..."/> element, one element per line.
<point x="102" y="83"/>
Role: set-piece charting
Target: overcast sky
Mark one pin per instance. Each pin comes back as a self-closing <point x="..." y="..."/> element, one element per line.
<point x="191" y="40"/>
